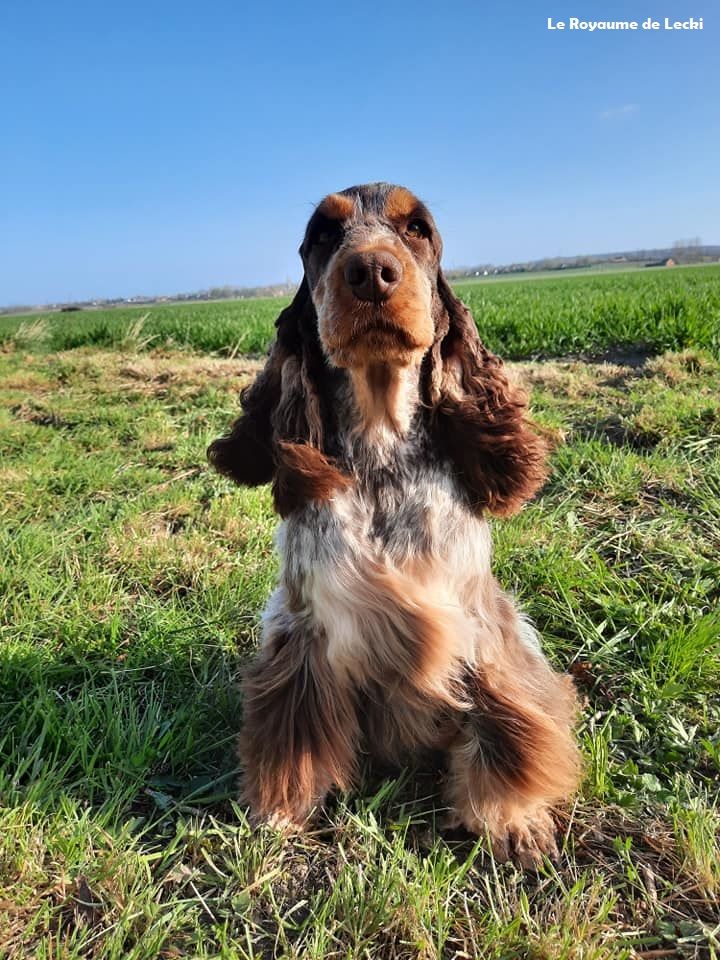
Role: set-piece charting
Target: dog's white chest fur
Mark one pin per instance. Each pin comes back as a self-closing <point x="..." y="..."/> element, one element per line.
<point x="362" y="573"/>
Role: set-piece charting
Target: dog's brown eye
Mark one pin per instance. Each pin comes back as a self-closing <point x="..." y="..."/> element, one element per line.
<point x="324" y="234"/>
<point x="416" y="229"/>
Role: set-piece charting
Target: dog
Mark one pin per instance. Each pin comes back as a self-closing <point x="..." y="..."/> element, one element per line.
<point x="390" y="435"/>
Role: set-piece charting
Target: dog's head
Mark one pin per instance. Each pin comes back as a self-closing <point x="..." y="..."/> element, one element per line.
<point x="373" y="293"/>
<point x="372" y="257"/>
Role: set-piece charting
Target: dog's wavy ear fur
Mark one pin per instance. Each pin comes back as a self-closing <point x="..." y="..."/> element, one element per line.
<point x="280" y="436"/>
<point x="478" y="416"/>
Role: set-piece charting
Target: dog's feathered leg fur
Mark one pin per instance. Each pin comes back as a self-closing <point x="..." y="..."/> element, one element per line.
<point x="515" y="754"/>
<point x="299" y="735"/>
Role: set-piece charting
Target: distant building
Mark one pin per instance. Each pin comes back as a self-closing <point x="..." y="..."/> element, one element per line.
<point x="665" y="262"/>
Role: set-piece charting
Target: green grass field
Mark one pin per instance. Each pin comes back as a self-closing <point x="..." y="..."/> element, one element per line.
<point x="660" y="309"/>
<point x="130" y="590"/>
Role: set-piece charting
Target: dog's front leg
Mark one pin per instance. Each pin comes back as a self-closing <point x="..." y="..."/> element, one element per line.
<point x="299" y="733"/>
<point x="514" y="757"/>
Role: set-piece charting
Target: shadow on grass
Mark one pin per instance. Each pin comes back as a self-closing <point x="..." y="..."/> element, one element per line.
<point x="617" y="433"/>
<point x="129" y="735"/>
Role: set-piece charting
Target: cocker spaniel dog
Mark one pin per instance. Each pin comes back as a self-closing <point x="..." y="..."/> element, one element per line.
<point x="390" y="435"/>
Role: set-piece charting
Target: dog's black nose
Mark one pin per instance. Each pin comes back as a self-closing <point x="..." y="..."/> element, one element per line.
<point x="373" y="275"/>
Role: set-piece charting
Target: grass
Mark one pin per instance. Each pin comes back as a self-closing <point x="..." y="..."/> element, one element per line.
<point x="129" y="595"/>
<point x="658" y="309"/>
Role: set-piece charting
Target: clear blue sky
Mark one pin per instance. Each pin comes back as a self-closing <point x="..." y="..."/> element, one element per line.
<point x="165" y="146"/>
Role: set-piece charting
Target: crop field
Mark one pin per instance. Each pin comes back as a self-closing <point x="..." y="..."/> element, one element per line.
<point x="659" y="309"/>
<point x="131" y="584"/>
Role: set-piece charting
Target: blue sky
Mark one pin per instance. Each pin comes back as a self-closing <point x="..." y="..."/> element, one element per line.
<point x="158" y="147"/>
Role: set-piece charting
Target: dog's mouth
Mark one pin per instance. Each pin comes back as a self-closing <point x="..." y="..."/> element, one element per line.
<point x="378" y="325"/>
<point x="369" y="339"/>
<point x="368" y="325"/>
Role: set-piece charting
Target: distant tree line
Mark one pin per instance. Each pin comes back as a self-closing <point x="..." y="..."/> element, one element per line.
<point x="682" y="251"/>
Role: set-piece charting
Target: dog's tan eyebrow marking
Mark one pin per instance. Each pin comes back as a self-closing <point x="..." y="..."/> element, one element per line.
<point x="400" y="204"/>
<point x="337" y="207"/>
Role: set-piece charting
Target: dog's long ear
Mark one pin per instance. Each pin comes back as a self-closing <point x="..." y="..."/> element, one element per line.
<point x="478" y="416"/>
<point x="282" y="405"/>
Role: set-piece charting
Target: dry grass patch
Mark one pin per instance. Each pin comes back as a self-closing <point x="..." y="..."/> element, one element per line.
<point x="575" y="380"/>
<point x="682" y="367"/>
<point x="162" y="554"/>
<point x="156" y="370"/>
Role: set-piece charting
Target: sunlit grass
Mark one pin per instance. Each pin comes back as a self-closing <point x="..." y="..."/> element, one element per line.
<point x="657" y="310"/>
<point x="130" y="590"/>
